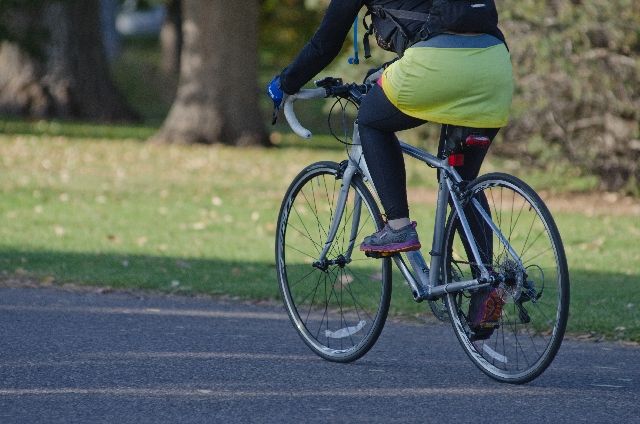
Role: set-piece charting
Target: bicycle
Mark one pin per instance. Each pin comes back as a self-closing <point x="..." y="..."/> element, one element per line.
<point x="338" y="298"/>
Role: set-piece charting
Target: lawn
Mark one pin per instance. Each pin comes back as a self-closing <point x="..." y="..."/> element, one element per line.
<point x="91" y="206"/>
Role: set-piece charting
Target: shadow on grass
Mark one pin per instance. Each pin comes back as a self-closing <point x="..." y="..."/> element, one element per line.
<point x="601" y="303"/>
<point x="164" y="273"/>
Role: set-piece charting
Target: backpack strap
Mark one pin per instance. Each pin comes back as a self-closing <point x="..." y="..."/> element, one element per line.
<point x="394" y="15"/>
<point x="368" y="31"/>
<point x="424" y="32"/>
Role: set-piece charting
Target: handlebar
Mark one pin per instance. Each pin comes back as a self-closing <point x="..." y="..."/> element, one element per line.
<point x="290" y="115"/>
<point x="328" y="87"/>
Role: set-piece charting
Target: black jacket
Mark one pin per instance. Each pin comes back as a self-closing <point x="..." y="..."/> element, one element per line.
<point x="324" y="46"/>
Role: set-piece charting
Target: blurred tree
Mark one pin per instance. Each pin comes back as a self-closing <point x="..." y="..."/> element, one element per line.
<point x="171" y="38"/>
<point x="52" y="62"/>
<point x="217" y="98"/>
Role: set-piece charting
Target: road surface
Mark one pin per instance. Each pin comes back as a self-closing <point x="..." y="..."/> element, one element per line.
<point x="70" y="356"/>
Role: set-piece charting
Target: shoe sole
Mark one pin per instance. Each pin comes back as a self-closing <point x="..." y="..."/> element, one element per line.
<point x="391" y="249"/>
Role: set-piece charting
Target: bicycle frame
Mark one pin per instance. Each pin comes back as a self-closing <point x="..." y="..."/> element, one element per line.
<point x="424" y="281"/>
<point x="426" y="285"/>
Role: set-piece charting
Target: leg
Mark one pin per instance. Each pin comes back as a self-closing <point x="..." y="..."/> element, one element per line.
<point x="485" y="305"/>
<point x="473" y="158"/>
<point x="378" y="120"/>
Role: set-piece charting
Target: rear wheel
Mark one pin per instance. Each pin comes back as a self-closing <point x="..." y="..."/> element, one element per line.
<point x="338" y="306"/>
<point x="536" y="294"/>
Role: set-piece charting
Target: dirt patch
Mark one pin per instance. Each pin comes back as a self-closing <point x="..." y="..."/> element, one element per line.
<point x="589" y="204"/>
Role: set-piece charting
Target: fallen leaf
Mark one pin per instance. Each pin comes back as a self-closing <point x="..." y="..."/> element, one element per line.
<point x="199" y="226"/>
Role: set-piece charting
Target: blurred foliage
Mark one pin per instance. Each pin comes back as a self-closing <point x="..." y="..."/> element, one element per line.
<point x="285" y="26"/>
<point x="577" y="67"/>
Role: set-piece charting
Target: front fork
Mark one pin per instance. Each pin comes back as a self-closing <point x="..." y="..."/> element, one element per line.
<point x="346" y="173"/>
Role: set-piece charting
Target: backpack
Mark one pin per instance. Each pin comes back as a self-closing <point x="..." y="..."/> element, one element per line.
<point x="398" y="24"/>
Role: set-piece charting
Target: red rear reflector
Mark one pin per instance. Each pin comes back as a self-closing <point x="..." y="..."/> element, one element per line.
<point x="477" y="141"/>
<point x="456" y="159"/>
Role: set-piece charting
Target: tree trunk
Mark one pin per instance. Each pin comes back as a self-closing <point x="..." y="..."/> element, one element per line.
<point x="171" y="39"/>
<point x="63" y="73"/>
<point x="217" y="98"/>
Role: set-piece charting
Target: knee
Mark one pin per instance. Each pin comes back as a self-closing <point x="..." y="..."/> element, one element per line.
<point x="365" y="117"/>
<point x="368" y="134"/>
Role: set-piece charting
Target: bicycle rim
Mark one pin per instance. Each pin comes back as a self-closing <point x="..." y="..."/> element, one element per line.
<point x="536" y="295"/>
<point x="338" y="311"/>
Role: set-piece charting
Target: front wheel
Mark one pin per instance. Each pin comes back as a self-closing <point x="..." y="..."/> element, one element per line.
<point x="337" y="305"/>
<point x="534" y="283"/>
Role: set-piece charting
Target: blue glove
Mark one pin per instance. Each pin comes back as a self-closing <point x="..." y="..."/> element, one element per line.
<point x="275" y="92"/>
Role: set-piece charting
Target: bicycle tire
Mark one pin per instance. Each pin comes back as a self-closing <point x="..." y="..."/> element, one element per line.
<point x="534" y="317"/>
<point x="338" y="312"/>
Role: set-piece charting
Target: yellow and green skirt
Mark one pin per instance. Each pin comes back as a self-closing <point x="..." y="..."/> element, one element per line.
<point x="453" y="79"/>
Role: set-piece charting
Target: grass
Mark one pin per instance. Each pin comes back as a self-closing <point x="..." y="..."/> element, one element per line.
<point x="114" y="211"/>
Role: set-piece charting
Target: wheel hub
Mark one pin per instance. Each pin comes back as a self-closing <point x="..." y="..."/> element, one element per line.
<point x="512" y="278"/>
<point x="324" y="265"/>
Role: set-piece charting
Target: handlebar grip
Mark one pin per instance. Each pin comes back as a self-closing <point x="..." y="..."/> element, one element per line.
<point x="295" y="125"/>
<point x="290" y="114"/>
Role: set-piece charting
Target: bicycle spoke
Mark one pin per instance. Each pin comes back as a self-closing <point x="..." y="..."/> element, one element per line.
<point x="306" y="232"/>
<point x="322" y="233"/>
<point x="301" y="252"/>
<point x="302" y="278"/>
<point x="315" y="291"/>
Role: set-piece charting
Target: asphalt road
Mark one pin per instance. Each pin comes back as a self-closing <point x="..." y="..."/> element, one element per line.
<point x="69" y="356"/>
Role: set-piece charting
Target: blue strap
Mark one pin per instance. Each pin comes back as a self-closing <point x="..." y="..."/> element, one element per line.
<point x="355" y="59"/>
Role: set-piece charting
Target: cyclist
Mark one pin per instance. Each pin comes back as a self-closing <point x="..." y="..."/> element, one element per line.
<point x="455" y="75"/>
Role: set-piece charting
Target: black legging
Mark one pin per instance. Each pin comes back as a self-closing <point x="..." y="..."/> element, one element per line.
<point x="378" y="121"/>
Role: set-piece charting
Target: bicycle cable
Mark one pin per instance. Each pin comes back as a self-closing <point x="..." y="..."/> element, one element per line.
<point x="344" y="121"/>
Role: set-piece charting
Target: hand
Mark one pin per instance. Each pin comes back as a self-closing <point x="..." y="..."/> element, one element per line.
<point x="274" y="91"/>
<point x="373" y="75"/>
